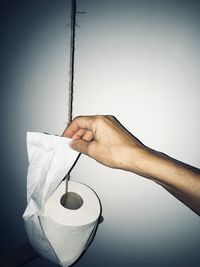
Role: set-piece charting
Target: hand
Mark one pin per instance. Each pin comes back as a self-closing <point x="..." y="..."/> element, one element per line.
<point x="104" y="139"/>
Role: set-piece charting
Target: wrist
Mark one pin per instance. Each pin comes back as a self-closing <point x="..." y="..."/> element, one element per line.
<point x="133" y="158"/>
<point x="142" y="161"/>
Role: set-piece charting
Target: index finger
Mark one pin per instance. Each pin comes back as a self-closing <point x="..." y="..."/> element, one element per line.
<point x="80" y="122"/>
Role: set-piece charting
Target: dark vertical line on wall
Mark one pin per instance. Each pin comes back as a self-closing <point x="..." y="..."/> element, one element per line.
<point x="72" y="53"/>
<point x="71" y="70"/>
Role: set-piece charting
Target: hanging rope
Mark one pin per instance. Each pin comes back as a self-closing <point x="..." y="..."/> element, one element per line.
<point x="71" y="63"/>
<point x="71" y="70"/>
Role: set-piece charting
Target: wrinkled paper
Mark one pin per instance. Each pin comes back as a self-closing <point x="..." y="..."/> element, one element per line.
<point x="50" y="159"/>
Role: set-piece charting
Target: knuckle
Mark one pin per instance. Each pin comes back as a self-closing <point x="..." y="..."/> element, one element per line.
<point x="110" y="117"/>
<point x="102" y="120"/>
<point x="77" y="118"/>
<point x="98" y="118"/>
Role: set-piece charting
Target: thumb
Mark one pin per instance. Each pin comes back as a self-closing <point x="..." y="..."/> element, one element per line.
<point x="80" y="145"/>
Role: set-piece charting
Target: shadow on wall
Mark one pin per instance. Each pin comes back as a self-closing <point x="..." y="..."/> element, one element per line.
<point x="34" y="52"/>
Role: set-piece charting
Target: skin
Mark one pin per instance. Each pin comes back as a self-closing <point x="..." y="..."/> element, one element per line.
<point x="104" y="139"/>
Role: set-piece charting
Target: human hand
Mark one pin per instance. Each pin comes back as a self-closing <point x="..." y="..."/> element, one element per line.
<point x="104" y="139"/>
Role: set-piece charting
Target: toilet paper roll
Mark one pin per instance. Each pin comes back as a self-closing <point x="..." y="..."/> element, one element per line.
<point x="57" y="233"/>
<point x="70" y="230"/>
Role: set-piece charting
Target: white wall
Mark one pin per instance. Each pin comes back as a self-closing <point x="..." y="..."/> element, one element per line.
<point x="137" y="60"/>
<point x="140" y="61"/>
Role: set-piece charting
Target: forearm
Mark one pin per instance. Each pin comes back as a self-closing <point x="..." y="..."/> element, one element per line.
<point x="106" y="140"/>
<point x="180" y="179"/>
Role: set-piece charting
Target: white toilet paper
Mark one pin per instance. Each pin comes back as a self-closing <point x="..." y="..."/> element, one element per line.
<point x="67" y="230"/>
<point x="57" y="233"/>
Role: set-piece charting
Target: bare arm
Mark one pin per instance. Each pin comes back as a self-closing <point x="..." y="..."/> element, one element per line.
<point x="106" y="140"/>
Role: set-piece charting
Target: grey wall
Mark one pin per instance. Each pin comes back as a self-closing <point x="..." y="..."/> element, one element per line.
<point x="34" y="80"/>
<point x="137" y="60"/>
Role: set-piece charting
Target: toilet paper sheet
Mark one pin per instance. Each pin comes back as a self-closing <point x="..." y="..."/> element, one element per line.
<point x="56" y="233"/>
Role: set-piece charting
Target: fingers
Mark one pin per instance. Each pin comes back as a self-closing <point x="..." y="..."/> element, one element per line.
<point x="79" y="134"/>
<point x="80" y="145"/>
<point x="80" y="130"/>
<point x="88" y="136"/>
<point x="81" y="122"/>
